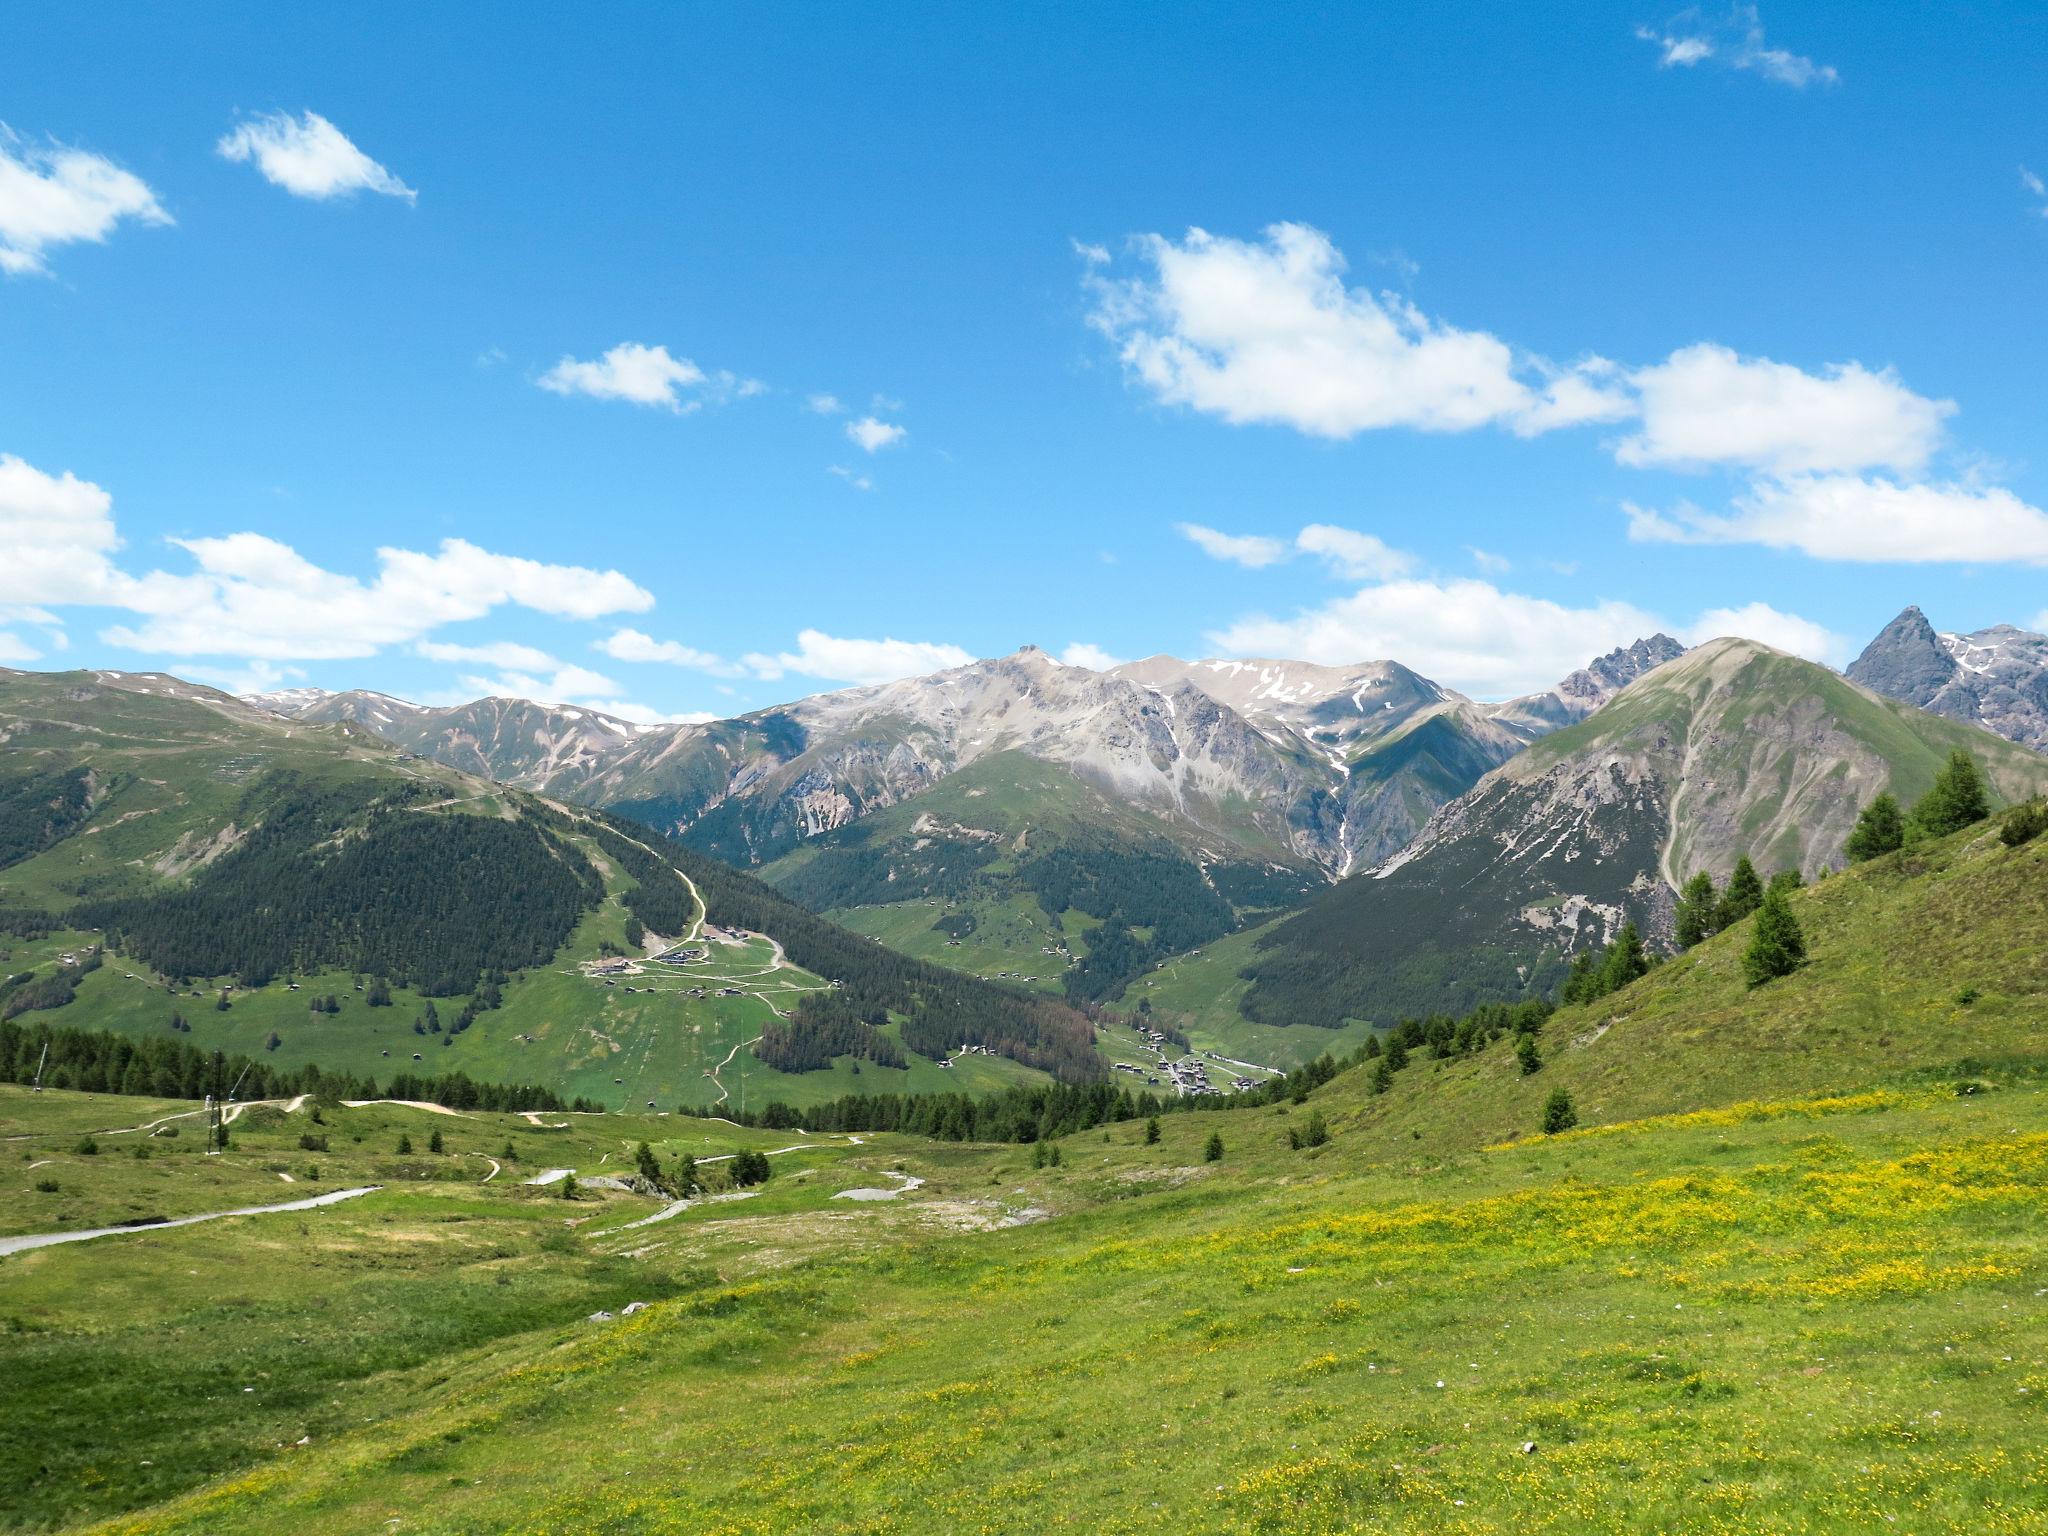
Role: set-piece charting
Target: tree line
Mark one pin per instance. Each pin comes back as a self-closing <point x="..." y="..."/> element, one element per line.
<point x="97" y="1061"/>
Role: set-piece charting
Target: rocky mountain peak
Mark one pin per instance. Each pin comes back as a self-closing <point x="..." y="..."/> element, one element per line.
<point x="1906" y="661"/>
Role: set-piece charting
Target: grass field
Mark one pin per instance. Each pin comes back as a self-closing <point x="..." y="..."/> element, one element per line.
<point x="1787" y="1277"/>
<point x="1009" y="941"/>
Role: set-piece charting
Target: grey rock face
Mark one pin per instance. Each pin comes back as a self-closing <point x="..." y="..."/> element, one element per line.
<point x="1996" y="677"/>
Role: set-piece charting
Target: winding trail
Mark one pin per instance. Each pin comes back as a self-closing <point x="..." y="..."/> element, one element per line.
<point x="11" y="1245"/>
<point x="722" y="1095"/>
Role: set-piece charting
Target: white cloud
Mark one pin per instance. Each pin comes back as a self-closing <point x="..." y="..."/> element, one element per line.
<point x="853" y="478"/>
<point x="873" y="434"/>
<point x="857" y="661"/>
<point x="56" y="537"/>
<point x="1083" y="654"/>
<point x="2035" y="188"/>
<point x="1850" y="517"/>
<point x="1483" y="641"/>
<point x="633" y="645"/>
<point x="1735" y="40"/>
<point x="824" y="405"/>
<point x="1353" y="555"/>
<point x="13" y="648"/>
<point x="1465" y="633"/>
<point x="506" y="654"/>
<point x="1707" y="405"/>
<point x="57" y="196"/>
<point x="252" y="596"/>
<point x="630" y="371"/>
<point x="1489" y="562"/>
<point x="1095" y="255"/>
<point x="251" y="677"/>
<point x="565" y="684"/>
<point x="1251" y="550"/>
<point x="1268" y="332"/>
<point x="1785" y="631"/>
<point x="309" y="157"/>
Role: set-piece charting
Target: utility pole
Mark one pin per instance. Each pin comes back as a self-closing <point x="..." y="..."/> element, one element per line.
<point x="40" y="1065"/>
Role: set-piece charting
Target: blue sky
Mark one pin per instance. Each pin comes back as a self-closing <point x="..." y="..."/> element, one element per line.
<point x="441" y="351"/>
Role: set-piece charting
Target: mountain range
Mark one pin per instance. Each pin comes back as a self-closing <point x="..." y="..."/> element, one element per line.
<point x="1996" y="677"/>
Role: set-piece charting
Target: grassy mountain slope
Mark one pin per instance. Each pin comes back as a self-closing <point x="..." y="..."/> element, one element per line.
<point x="233" y="856"/>
<point x="1031" y="855"/>
<point x="1785" y="1278"/>
<point x="1733" y="748"/>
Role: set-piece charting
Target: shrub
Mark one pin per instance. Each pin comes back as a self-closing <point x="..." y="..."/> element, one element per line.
<point x="46" y="1186"/>
<point x="2023" y="823"/>
<point x="87" y="1147"/>
<point x="308" y="1142"/>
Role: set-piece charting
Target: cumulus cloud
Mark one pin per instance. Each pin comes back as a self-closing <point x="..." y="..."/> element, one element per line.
<point x="506" y="654"/>
<point x="824" y="405"/>
<point x="873" y="434"/>
<point x="1353" y="555"/>
<point x="1251" y="550"/>
<point x="857" y="661"/>
<point x="1083" y="654"/>
<point x="1863" y="518"/>
<point x="630" y="371"/>
<point x="1785" y="631"/>
<point x="1269" y="332"/>
<point x="1490" y="643"/>
<point x="251" y="596"/>
<point x="563" y="684"/>
<point x="309" y="157"/>
<point x="1466" y="633"/>
<point x="1735" y="40"/>
<point x="58" y="196"/>
<point x="1705" y="405"/>
<point x="1347" y="552"/>
<point x="633" y="645"/>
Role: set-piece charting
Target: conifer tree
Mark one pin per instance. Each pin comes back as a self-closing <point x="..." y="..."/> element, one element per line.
<point x="1583" y="984"/>
<point x="1152" y="1132"/>
<point x="1777" y="947"/>
<point x="1212" y="1151"/>
<point x="1696" y="910"/>
<point x="1526" y="1053"/>
<point x="1382" y="1076"/>
<point x="1744" y="895"/>
<point x="1559" y="1113"/>
<point x="1785" y="880"/>
<point x="404" y="1146"/>
<point x="1956" y="801"/>
<point x="1625" y="960"/>
<point x="434" y="1143"/>
<point x="1880" y="829"/>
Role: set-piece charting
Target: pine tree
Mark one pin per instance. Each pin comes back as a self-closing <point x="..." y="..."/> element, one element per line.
<point x="1317" y="1132"/>
<point x="1696" y="910"/>
<point x="1382" y="1076"/>
<point x="648" y="1164"/>
<point x="1559" y="1114"/>
<point x="1152" y="1132"/>
<point x="405" y="1146"/>
<point x="1212" y="1150"/>
<point x="2023" y="823"/>
<point x="568" y="1187"/>
<point x="1625" y="960"/>
<point x="1526" y="1053"/>
<point x="1744" y="895"/>
<point x="434" y="1143"/>
<point x="1777" y="947"/>
<point x="1880" y="829"/>
<point x="687" y="1183"/>
<point x="1583" y="984"/>
<point x="1956" y="801"/>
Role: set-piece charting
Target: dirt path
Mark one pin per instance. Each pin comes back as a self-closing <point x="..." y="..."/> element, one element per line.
<point x="437" y="1109"/>
<point x="494" y="1168"/>
<point x="9" y="1245"/>
<point x="728" y="1062"/>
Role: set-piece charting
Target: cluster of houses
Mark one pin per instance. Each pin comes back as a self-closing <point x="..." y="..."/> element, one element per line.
<point x="967" y="1050"/>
